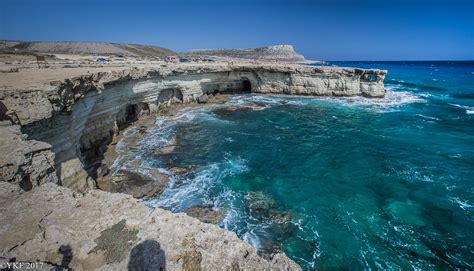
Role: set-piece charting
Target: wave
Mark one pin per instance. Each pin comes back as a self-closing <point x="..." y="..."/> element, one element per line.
<point x="469" y="109"/>
<point x="261" y="100"/>
<point x="462" y="204"/>
<point x="430" y="118"/>
<point x="196" y="189"/>
<point x="412" y="85"/>
<point x="391" y="101"/>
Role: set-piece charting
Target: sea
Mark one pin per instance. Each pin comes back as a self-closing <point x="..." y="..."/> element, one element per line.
<point x="335" y="183"/>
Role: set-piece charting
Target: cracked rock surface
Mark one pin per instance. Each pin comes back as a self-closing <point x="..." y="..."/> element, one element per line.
<point x="111" y="231"/>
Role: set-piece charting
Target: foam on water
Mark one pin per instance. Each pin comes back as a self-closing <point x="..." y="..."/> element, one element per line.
<point x="196" y="189"/>
<point x="462" y="204"/>
<point x="392" y="101"/>
<point x="469" y="109"/>
<point x="344" y="185"/>
<point x="428" y="117"/>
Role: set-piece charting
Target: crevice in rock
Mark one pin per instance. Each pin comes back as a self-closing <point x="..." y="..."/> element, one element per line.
<point x="26" y="183"/>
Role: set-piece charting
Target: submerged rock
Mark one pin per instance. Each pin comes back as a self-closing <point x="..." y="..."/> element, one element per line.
<point x="260" y="204"/>
<point x="253" y="106"/>
<point x="181" y="170"/>
<point x="166" y="150"/>
<point x="133" y="183"/>
<point x="169" y="147"/>
<point x="407" y="212"/>
<point x="233" y="108"/>
<point x="205" y="213"/>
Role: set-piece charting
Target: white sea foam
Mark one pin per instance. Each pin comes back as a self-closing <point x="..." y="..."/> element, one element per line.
<point x="265" y="101"/>
<point x="462" y="204"/>
<point x="469" y="109"/>
<point x="391" y="101"/>
<point x="196" y="190"/>
<point x="430" y="118"/>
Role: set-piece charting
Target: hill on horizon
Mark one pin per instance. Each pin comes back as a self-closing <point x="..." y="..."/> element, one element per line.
<point x="77" y="47"/>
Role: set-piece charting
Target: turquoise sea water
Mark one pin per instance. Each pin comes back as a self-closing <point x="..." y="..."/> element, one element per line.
<point x="350" y="183"/>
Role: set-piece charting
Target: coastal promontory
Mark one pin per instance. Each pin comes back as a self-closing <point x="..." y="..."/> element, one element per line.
<point x="58" y="122"/>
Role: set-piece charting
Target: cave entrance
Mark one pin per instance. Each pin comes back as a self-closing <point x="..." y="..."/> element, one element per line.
<point x="131" y="113"/>
<point x="246" y="85"/>
<point x="239" y="86"/>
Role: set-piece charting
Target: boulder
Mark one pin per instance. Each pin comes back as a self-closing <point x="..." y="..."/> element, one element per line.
<point x="202" y="99"/>
<point x="181" y="170"/>
<point x="133" y="183"/>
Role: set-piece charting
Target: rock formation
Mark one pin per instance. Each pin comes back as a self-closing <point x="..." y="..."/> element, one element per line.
<point x="105" y="231"/>
<point x="79" y="117"/>
<point x="57" y="134"/>
<point x="276" y="53"/>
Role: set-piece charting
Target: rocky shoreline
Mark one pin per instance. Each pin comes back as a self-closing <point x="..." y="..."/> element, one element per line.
<point x="54" y="141"/>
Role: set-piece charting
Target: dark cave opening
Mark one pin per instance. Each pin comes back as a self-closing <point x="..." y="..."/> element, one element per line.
<point x="246" y="85"/>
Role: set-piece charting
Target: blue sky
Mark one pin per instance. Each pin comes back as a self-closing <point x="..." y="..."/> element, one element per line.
<point x="321" y="30"/>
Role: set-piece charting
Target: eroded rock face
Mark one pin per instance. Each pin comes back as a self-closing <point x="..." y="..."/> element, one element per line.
<point x="105" y="231"/>
<point x="27" y="163"/>
<point x="79" y="117"/>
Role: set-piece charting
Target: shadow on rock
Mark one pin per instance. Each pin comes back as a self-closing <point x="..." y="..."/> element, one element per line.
<point x="147" y="255"/>
<point x="66" y="252"/>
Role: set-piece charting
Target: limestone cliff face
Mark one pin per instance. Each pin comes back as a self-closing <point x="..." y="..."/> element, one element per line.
<point x="25" y="162"/>
<point x="77" y="118"/>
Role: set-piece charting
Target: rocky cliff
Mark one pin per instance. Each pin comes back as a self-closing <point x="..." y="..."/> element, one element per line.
<point x="58" y="133"/>
<point x="274" y="52"/>
<point x="80" y="116"/>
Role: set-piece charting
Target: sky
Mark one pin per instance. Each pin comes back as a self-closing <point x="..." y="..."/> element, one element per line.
<point x="319" y="29"/>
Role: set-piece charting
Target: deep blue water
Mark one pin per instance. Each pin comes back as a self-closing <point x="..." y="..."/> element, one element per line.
<point x="351" y="183"/>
